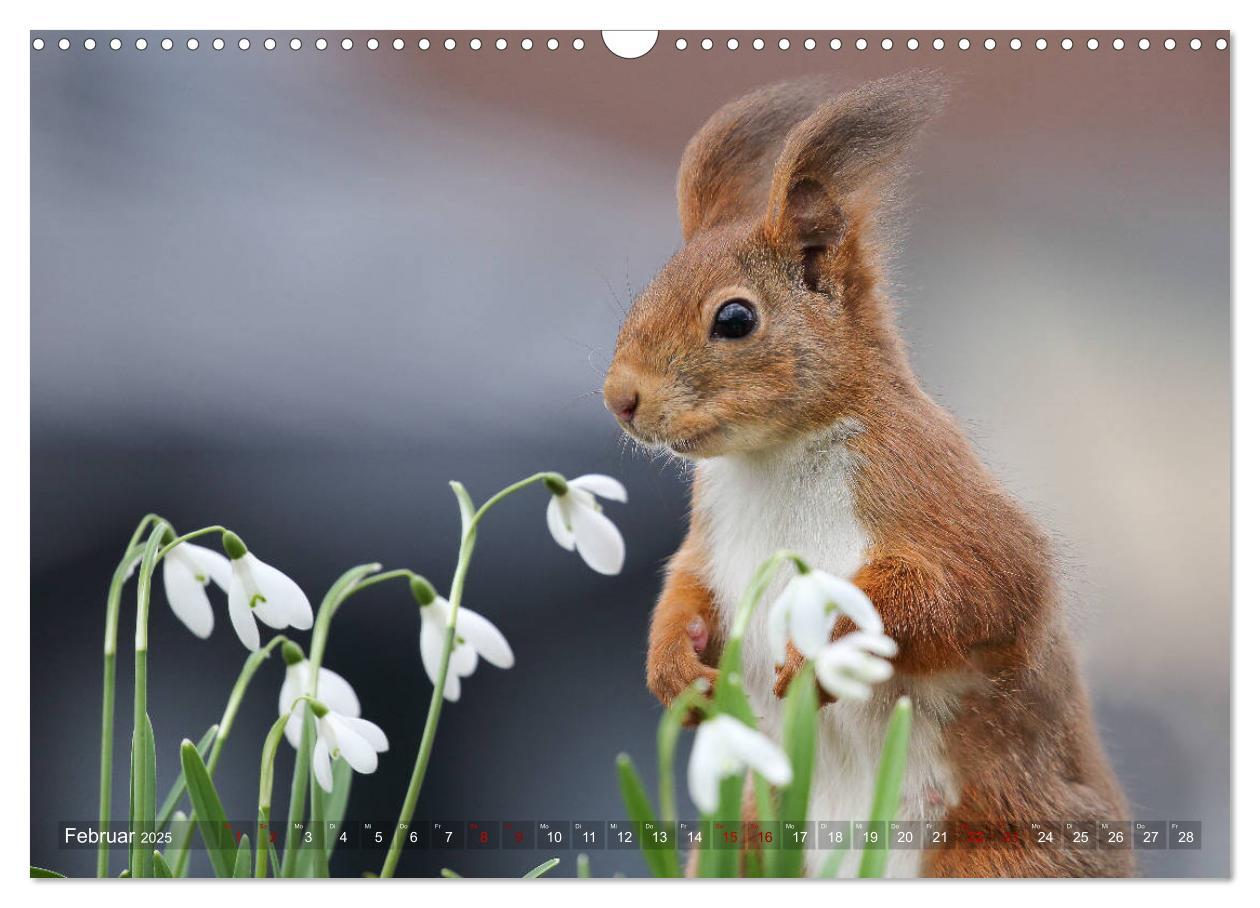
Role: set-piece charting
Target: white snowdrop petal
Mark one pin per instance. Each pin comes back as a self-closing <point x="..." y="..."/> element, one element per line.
<point x="560" y="531"/>
<point x="879" y="644"/>
<point x="485" y="637"/>
<point x="756" y="751"/>
<point x="599" y="541"/>
<point x="874" y="670"/>
<point x="368" y="731"/>
<point x="451" y="691"/>
<point x="603" y="486"/>
<point x="271" y="613"/>
<point x="242" y="615"/>
<point x="293" y="687"/>
<point x="282" y="594"/>
<point x="840" y="685"/>
<point x="211" y="563"/>
<point x="293" y="728"/>
<point x="351" y="746"/>
<point x="852" y="601"/>
<point x="336" y="693"/>
<point x="430" y="642"/>
<point x="463" y="660"/>
<point x="810" y="626"/>
<point x="705" y="768"/>
<point x="777" y="624"/>
<point x="321" y="764"/>
<point x="186" y="596"/>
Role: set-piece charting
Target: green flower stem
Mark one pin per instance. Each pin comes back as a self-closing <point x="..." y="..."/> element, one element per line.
<point x="469" y="520"/>
<point x="266" y="779"/>
<point x="319" y="850"/>
<point x="160" y="542"/>
<point x="161" y="530"/>
<point x="729" y="697"/>
<point x="235" y="698"/>
<point x="252" y="663"/>
<point x="352" y="581"/>
<point x="302" y="764"/>
<point x="667" y="743"/>
<point x="113" y="606"/>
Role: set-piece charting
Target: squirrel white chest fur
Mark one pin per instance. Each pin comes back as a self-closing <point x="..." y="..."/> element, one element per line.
<point x="800" y="497"/>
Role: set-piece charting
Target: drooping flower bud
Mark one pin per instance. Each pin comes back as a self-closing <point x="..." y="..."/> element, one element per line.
<point x="233" y="547"/>
<point x="422" y="590"/>
<point x="292" y="653"/>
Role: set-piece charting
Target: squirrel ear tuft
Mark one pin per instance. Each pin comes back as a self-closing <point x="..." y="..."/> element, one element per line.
<point x="849" y="145"/>
<point x="726" y="167"/>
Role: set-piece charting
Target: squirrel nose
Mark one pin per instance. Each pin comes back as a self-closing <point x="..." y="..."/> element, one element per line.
<point x="623" y="404"/>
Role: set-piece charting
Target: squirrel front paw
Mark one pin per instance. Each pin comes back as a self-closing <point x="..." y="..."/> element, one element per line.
<point x="673" y="671"/>
<point x="785" y="673"/>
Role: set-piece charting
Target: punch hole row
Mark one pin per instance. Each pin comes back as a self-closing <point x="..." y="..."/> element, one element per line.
<point x="704" y="44"/>
<point x="295" y="44"/>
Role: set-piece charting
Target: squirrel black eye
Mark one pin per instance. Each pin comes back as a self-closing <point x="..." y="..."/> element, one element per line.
<point x="735" y="318"/>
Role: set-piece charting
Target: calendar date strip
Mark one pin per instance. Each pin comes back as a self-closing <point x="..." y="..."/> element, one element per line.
<point x="597" y="835"/>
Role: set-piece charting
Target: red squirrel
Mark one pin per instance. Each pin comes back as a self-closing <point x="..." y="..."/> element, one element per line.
<point x="766" y="352"/>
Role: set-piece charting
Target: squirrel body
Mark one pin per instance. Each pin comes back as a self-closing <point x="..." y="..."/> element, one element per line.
<point x="799" y="496"/>
<point x="766" y="352"/>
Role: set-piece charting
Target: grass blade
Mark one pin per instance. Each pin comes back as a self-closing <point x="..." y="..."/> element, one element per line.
<point x="335" y="810"/>
<point x="161" y="869"/>
<point x="661" y="862"/>
<point x="241" y="869"/>
<point x="584" y="866"/>
<point x="450" y="874"/>
<point x="892" y="771"/>
<point x="42" y="873"/>
<point x="542" y="868"/>
<point x="181" y="834"/>
<point x="211" y="821"/>
<point x="143" y="798"/>
<point x="800" y="729"/>
<point x="167" y="809"/>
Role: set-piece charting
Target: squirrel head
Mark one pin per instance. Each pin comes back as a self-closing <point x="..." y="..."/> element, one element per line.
<point x="766" y="324"/>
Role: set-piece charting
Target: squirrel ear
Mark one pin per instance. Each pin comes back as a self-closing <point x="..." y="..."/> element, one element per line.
<point x="848" y="146"/>
<point x="725" y="170"/>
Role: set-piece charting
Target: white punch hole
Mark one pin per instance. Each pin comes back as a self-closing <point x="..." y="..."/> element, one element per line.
<point x="630" y="45"/>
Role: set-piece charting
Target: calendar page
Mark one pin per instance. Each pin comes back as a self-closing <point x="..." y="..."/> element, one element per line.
<point x="545" y="453"/>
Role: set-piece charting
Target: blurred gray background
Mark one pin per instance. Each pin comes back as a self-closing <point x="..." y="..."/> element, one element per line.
<point x="296" y="292"/>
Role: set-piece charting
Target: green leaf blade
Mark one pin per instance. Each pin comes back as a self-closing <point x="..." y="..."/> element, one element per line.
<point x="661" y="862"/>
<point x="211" y="821"/>
<point x="800" y="731"/>
<point x="167" y="810"/>
<point x="545" y="867"/>
<point x="241" y="867"/>
<point x="888" y="781"/>
<point x="143" y="798"/>
<point x="335" y="809"/>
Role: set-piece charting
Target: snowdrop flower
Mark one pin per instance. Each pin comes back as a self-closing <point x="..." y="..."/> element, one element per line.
<point x="355" y="740"/>
<point x="257" y="590"/>
<point x="475" y="637"/>
<point x="186" y="571"/>
<point x="332" y="690"/>
<point x="724" y="747"/>
<point x="851" y="665"/>
<point x="807" y="610"/>
<point x="576" y="520"/>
